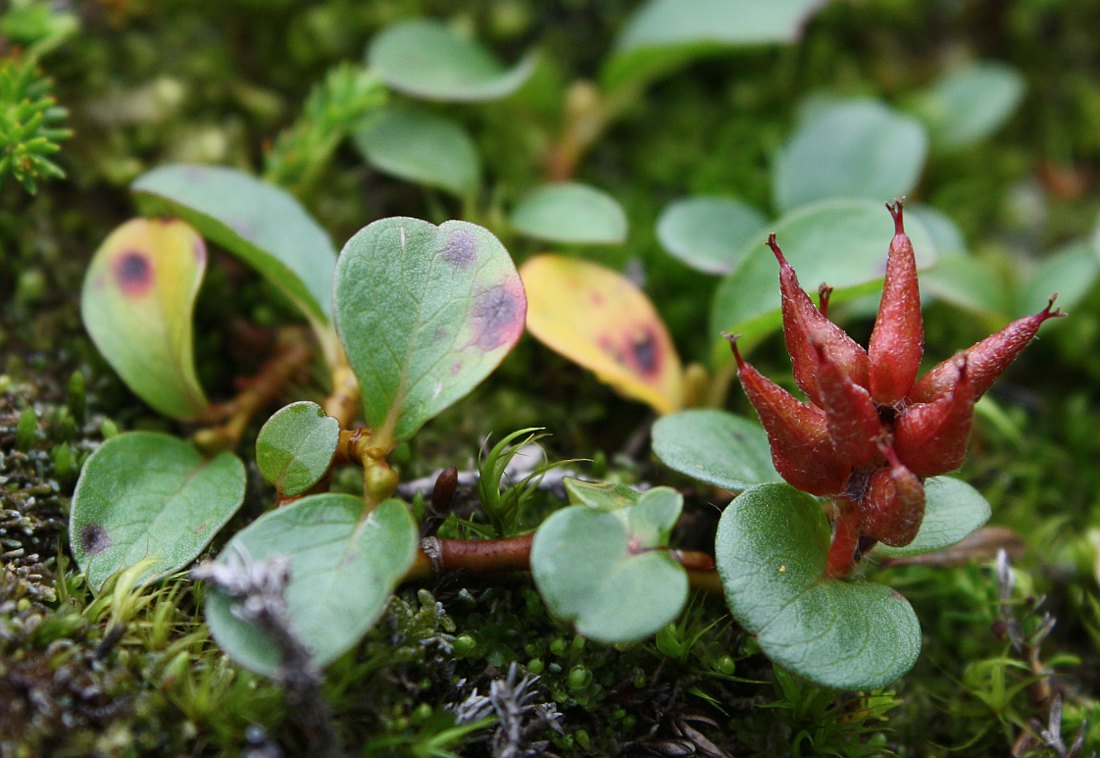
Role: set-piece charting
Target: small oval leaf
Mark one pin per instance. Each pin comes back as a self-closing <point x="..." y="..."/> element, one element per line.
<point x="425" y="312"/>
<point x="965" y="106"/>
<point x="841" y="242"/>
<point x="570" y="213"/>
<point x="850" y="149"/>
<point x="770" y="549"/>
<point x="605" y="571"/>
<point x="421" y="147"/>
<point x="146" y="495"/>
<point x="137" y="302"/>
<point x="599" y="319"/>
<point x="952" y="511"/>
<point x="663" y="35"/>
<point x="259" y="223"/>
<point x="708" y="233"/>
<point x="295" y="447"/>
<point x="427" y="59"/>
<point x="715" y="447"/>
<point x="343" y="569"/>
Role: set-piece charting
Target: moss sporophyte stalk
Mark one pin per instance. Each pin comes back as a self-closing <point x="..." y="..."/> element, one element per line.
<point x="870" y="432"/>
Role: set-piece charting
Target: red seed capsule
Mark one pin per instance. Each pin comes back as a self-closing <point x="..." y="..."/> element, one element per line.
<point x="846" y="533"/>
<point x="850" y="414"/>
<point x="801" y="318"/>
<point x="892" y="508"/>
<point x="931" y="437"/>
<point x="987" y="359"/>
<point x="801" y="449"/>
<point x="897" y="341"/>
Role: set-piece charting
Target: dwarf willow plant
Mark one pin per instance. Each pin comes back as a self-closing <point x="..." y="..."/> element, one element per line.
<point x="410" y="316"/>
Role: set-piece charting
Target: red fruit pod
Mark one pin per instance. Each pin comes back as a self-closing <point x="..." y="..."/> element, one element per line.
<point x="930" y="438"/>
<point x="897" y="341"/>
<point x="850" y="414"/>
<point x="892" y="507"/>
<point x="801" y="319"/>
<point x="802" y="451"/>
<point x="987" y="359"/>
<point x="842" y="550"/>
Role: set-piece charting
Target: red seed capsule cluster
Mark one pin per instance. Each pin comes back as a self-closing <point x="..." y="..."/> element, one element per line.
<point x="871" y="432"/>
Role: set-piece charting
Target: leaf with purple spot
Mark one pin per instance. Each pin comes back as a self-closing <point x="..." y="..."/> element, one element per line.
<point x="138" y="297"/>
<point x="259" y="223"/>
<point x="149" y="496"/>
<point x="598" y="318"/>
<point x="425" y="313"/>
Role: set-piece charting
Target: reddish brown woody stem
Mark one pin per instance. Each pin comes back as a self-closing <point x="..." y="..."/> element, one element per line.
<point x="438" y="556"/>
<point x="292" y="353"/>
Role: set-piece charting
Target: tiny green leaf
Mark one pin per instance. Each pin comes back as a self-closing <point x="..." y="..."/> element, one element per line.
<point x="146" y="495"/>
<point x="343" y="569"/>
<point x="841" y="242"/>
<point x="965" y="106"/>
<point x="259" y="223"/>
<point x="421" y="147"/>
<point x="850" y="149"/>
<point x="605" y="571"/>
<point x="952" y="511"/>
<point x="425" y="312"/>
<point x="295" y="447"/>
<point x="715" y="447"/>
<point x="663" y="35"/>
<point x="138" y="297"/>
<point x="708" y="233"/>
<point x="770" y="549"/>
<point x="427" y="59"/>
<point x="603" y="496"/>
<point x="571" y="213"/>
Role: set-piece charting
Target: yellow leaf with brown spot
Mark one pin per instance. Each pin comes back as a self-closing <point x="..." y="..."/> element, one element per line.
<point x="600" y="319"/>
<point x="137" y="301"/>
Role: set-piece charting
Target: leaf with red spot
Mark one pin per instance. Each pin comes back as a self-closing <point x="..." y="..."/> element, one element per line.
<point x="425" y="313"/>
<point x="139" y="294"/>
<point x="599" y="319"/>
<point x="149" y="498"/>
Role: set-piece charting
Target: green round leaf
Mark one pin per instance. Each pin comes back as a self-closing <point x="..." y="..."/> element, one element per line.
<point x="708" y="233"/>
<point x="604" y="570"/>
<point x="850" y="149"/>
<point x="343" y="570"/>
<point x="965" y="106"/>
<point x="572" y="213"/>
<point x="427" y="59"/>
<point x="425" y="312"/>
<point x="770" y="549"/>
<point x="145" y="495"/>
<point x="262" y="225"/>
<point x="295" y="447"/>
<point x="137" y="302"/>
<point x="663" y="35"/>
<point x="715" y="447"/>
<point x="421" y="147"/>
<point x="952" y="511"/>
<point x="841" y="242"/>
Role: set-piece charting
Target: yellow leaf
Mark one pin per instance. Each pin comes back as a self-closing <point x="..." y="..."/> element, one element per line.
<point x="138" y="297"/>
<point x="598" y="318"/>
